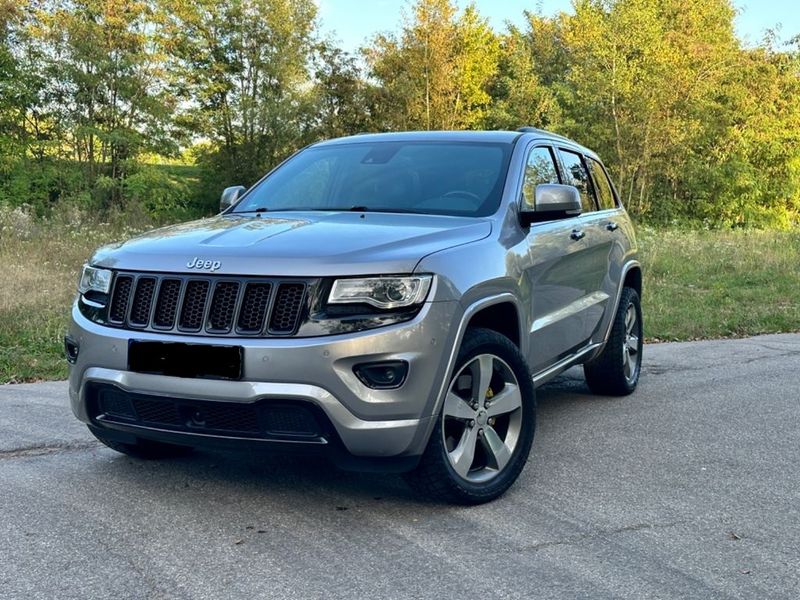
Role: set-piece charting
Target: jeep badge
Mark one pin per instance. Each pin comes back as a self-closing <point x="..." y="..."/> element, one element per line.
<point x="209" y="265"/>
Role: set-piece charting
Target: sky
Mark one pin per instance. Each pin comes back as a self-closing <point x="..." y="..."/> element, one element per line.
<point x="354" y="22"/>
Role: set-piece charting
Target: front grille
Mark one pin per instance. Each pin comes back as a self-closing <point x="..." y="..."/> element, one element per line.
<point x="212" y="305"/>
<point x="264" y="419"/>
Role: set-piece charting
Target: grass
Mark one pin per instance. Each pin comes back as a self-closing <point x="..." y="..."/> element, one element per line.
<point x="698" y="284"/>
<point x="717" y="284"/>
<point x="40" y="264"/>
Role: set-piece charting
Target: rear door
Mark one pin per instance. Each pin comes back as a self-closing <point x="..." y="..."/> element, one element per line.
<point x="611" y="224"/>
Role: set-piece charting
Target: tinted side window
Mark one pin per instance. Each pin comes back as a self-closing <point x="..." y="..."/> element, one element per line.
<point x="578" y="176"/>
<point x="604" y="194"/>
<point x="540" y="168"/>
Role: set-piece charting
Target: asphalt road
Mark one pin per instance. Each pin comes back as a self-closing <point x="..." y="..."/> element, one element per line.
<point x="690" y="488"/>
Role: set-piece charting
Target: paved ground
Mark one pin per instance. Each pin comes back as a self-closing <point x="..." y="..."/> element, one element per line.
<point x="688" y="489"/>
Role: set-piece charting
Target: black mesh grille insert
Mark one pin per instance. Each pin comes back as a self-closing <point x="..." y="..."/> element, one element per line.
<point x="194" y="305"/>
<point x="254" y="307"/>
<point x="119" y="302"/>
<point x="288" y="304"/>
<point x="167" y="305"/>
<point x="290" y="420"/>
<point x="157" y="412"/>
<point x="227" y="417"/>
<point x="116" y="403"/>
<point x="223" y="306"/>
<point x="142" y="301"/>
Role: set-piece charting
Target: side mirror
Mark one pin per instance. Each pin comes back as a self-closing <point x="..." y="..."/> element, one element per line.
<point x="552" y="201"/>
<point x="230" y="196"/>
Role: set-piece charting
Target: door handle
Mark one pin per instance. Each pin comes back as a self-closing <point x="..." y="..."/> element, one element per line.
<point x="577" y="234"/>
<point x="612" y="226"/>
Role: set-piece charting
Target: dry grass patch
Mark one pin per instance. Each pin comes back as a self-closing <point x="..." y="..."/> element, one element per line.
<point x="40" y="262"/>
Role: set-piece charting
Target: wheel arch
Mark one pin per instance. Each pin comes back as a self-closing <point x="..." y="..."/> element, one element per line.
<point x="474" y="309"/>
<point x="502" y="317"/>
<point x="631" y="277"/>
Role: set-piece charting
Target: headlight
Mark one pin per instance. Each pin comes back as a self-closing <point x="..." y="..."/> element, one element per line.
<point x="381" y="292"/>
<point x="95" y="280"/>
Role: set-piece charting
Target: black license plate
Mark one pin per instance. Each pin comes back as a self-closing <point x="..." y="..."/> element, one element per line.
<point x="185" y="360"/>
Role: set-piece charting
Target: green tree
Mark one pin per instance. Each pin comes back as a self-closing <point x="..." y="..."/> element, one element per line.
<point x="242" y="67"/>
<point x="13" y="101"/>
<point x="518" y="95"/>
<point x="344" y="102"/>
<point x="436" y="75"/>
<point x="639" y="77"/>
<point x="106" y="97"/>
<point x="744" y="170"/>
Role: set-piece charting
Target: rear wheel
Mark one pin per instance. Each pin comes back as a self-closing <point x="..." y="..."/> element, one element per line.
<point x="143" y="449"/>
<point x="485" y="428"/>
<point x="615" y="372"/>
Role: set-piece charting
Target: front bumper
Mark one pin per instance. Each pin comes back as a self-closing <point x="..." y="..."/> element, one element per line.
<point x="319" y="371"/>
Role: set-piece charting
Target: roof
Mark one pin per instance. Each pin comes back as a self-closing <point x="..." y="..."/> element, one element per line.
<point x="497" y="137"/>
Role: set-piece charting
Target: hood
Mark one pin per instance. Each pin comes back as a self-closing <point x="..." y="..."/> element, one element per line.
<point x="301" y="244"/>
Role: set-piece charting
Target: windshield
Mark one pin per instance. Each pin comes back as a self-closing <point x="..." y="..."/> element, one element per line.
<point x="449" y="178"/>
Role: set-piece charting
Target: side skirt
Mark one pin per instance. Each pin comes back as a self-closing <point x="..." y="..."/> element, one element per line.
<point x="565" y="363"/>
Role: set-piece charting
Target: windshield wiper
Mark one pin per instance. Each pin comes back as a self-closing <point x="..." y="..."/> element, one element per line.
<point x="360" y="208"/>
<point x="356" y="208"/>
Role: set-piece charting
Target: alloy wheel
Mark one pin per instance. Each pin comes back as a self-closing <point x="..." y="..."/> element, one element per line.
<point x="482" y="418"/>
<point x="630" y="347"/>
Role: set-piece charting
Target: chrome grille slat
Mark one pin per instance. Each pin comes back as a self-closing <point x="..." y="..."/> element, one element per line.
<point x="208" y="304"/>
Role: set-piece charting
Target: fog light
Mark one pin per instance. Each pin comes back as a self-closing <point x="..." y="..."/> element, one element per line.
<point x="71" y="350"/>
<point x="386" y="375"/>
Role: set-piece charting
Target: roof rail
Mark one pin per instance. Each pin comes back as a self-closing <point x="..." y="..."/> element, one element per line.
<point x="529" y="129"/>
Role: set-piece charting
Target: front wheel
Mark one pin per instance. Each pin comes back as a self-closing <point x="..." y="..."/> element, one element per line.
<point x="484" y="431"/>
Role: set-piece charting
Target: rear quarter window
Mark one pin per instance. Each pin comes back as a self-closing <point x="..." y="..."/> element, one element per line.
<point x="602" y="185"/>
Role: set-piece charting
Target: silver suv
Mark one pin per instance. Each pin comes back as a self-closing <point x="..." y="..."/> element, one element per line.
<point x="388" y="300"/>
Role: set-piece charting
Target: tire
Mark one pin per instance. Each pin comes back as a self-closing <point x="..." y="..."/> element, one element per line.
<point x="144" y="449"/>
<point x="505" y="420"/>
<point x="615" y="372"/>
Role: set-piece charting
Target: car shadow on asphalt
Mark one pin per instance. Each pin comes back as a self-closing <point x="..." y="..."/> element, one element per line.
<point x="295" y="476"/>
